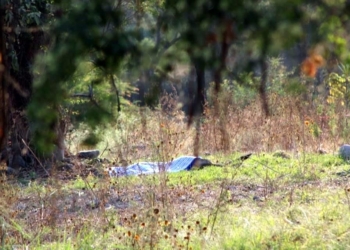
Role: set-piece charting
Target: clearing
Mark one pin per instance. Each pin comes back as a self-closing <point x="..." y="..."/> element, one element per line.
<point x="266" y="202"/>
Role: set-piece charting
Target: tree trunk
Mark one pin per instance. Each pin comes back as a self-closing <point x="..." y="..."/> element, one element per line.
<point x="3" y="85"/>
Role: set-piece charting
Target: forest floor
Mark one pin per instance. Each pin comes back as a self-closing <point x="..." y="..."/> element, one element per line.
<point x="269" y="201"/>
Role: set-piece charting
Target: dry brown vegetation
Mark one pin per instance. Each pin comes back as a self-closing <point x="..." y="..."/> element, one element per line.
<point x="295" y="125"/>
<point x="82" y="208"/>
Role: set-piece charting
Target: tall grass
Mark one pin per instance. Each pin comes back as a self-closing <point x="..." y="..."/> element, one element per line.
<point x="299" y="199"/>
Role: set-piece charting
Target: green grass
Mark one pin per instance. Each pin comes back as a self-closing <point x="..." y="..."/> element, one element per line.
<point x="266" y="202"/>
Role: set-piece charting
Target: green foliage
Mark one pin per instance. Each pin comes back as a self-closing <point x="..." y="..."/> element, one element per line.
<point x="147" y="40"/>
<point x="339" y="86"/>
<point x="266" y="202"/>
<point x="333" y="30"/>
<point x="236" y="94"/>
<point x="20" y="18"/>
<point x="281" y="81"/>
<point x="90" y="86"/>
<point x="79" y="34"/>
<point x="254" y="24"/>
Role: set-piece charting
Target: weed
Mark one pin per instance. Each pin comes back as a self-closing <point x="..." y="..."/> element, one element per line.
<point x="285" y="196"/>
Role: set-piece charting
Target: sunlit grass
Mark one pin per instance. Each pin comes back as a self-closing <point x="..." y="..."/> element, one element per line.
<point x="265" y="202"/>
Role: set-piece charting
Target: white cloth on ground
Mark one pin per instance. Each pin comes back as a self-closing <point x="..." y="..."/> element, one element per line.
<point x="176" y="165"/>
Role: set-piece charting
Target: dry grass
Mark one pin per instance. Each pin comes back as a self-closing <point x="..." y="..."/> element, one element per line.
<point x="230" y="207"/>
<point x="207" y="209"/>
<point x="294" y="125"/>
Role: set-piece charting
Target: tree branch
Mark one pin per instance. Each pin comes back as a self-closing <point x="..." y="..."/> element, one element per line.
<point x="90" y="96"/>
<point x="114" y="86"/>
<point x="167" y="45"/>
<point x="262" y="87"/>
<point x="197" y="105"/>
<point x="80" y="95"/>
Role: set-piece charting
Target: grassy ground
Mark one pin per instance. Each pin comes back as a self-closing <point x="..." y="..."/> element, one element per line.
<point x="267" y="202"/>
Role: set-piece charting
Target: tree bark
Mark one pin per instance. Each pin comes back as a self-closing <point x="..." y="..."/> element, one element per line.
<point x="3" y="85"/>
<point x="198" y="100"/>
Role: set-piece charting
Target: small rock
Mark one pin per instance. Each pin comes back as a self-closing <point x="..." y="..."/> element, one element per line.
<point x="88" y="154"/>
<point x="344" y="152"/>
<point x="257" y="199"/>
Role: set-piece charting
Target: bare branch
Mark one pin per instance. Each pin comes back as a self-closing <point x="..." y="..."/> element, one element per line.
<point x="172" y="42"/>
<point x="80" y="95"/>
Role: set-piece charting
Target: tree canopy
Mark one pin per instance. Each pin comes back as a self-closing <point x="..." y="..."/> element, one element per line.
<point x="101" y="48"/>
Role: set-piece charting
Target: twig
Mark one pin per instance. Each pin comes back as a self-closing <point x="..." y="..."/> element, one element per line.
<point x="80" y="95"/>
<point x="104" y="150"/>
<point x="90" y="188"/>
<point x="167" y="45"/>
<point x="25" y="144"/>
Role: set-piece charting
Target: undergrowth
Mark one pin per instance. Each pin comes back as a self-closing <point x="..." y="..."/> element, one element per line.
<point x="292" y="193"/>
<point x="265" y="202"/>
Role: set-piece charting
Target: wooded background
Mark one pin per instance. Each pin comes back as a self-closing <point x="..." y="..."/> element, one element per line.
<point x="86" y="60"/>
